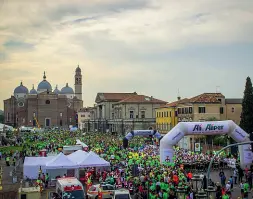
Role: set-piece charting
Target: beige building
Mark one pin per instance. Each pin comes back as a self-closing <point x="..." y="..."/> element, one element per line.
<point x="120" y="112"/>
<point x="84" y="116"/>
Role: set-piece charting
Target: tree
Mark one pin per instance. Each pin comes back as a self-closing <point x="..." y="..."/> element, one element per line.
<point x="247" y="110"/>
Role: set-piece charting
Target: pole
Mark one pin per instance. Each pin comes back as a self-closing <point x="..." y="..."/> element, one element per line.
<point x="211" y="162"/>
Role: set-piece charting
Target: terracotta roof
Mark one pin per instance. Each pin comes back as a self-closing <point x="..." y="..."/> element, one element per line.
<point x="174" y="104"/>
<point x="142" y="99"/>
<point x="207" y="98"/>
<point x="115" y="97"/>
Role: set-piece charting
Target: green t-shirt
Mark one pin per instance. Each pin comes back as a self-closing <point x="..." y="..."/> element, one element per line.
<point x="165" y="195"/>
<point x="225" y="196"/>
<point x="246" y="187"/>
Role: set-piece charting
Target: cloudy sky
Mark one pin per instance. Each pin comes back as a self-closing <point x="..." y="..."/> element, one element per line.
<point x="153" y="47"/>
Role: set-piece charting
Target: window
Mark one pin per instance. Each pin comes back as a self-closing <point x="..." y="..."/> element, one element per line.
<point x="162" y="114"/>
<point x="47" y="101"/>
<point x="157" y="115"/>
<point x="112" y="115"/>
<point x="167" y="114"/>
<point x="183" y="111"/>
<point x="137" y="116"/>
<point x="186" y="110"/>
<point x="70" y="119"/>
<point x="131" y="114"/>
<point x="233" y="109"/>
<point x="176" y="113"/>
<point x="170" y="113"/>
<point x="221" y="110"/>
<point x="60" y="114"/>
<point x="82" y="115"/>
<point x="190" y="109"/>
<point x="202" y="109"/>
<point x="8" y="116"/>
<point x="60" y="122"/>
<point x="179" y="110"/>
<point x="142" y="114"/>
<point x="34" y="114"/>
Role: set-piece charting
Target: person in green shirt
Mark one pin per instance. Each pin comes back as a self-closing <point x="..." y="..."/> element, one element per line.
<point x="225" y="196"/>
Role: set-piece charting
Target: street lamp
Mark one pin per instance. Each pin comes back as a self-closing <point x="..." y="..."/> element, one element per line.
<point x="211" y="192"/>
<point x="201" y="195"/>
<point x="181" y="193"/>
<point x="198" y="182"/>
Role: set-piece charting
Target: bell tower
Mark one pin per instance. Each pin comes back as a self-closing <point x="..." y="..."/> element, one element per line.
<point x="78" y="83"/>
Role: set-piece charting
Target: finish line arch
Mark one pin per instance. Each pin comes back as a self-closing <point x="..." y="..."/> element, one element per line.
<point x="206" y="128"/>
<point x="131" y="134"/>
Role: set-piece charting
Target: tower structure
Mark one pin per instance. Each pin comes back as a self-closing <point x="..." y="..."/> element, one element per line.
<point x="78" y="83"/>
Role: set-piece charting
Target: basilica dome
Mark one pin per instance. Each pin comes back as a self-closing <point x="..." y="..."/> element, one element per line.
<point x="67" y="90"/>
<point x="33" y="91"/>
<point x="44" y="85"/>
<point x="56" y="90"/>
<point x="21" y="89"/>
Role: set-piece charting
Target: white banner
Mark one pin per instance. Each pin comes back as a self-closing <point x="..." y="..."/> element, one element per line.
<point x="246" y="155"/>
<point x="207" y="128"/>
<point x="197" y="147"/>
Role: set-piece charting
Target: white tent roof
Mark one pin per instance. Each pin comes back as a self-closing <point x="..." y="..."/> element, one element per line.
<point x="93" y="160"/>
<point x="61" y="161"/>
<point x="77" y="156"/>
<point x="41" y="161"/>
<point x="81" y="143"/>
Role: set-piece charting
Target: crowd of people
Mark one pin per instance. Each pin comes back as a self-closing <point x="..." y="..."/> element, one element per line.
<point x="138" y="167"/>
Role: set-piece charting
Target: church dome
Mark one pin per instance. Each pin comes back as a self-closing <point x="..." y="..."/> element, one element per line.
<point x="56" y="90"/>
<point x="33" y="91"/>
<point x="44" y="85"/>
<point x="21" y="89"/>
<point x="67" y="90"/>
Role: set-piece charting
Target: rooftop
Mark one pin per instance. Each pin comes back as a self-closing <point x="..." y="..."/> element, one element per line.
<point x="174" y="104"/>
<point x="142" y="99"/>
<point x="114" y="97"/>
<point x="207" y="98"/>
<point x="233" y="101"/>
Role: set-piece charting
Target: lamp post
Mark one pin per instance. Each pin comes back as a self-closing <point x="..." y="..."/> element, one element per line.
<point x="181" y="193"/>
<point x="211" y="192"/>
<point x="198" y="182"/>
<point x="201" y="195"/>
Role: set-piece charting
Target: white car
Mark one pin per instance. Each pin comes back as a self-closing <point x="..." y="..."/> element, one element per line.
<point x="122" y="194"/>
<point x="107" y="191"/>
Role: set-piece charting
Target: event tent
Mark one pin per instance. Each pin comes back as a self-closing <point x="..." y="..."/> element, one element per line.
<point x="93" y="160"/>
<point x="78" y="156"/>
<point x="33" y="164"/>
<point x="61" y="161"/>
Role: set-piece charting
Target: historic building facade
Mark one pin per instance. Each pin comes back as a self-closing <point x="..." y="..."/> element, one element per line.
<point x="44" y="107"/>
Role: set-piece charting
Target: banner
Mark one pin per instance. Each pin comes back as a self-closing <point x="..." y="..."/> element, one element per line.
<point x="197" y="147"/>
<point x="207" y="128"/>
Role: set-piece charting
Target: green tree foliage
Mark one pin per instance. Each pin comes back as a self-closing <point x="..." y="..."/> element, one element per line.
<point x="247" y="109"/>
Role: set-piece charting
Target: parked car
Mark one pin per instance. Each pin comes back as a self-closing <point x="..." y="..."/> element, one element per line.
<point x="122" y="194"/>
<point x="107" y="191"/>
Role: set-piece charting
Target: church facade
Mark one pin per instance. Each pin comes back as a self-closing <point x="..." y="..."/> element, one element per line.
<point x="45" y="107"/>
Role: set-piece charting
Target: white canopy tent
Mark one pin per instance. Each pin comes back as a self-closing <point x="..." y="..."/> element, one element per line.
<point x="93" y="160"/>
<point x="33" y="164"/>
<point x="78" y="156"/>
<point x="61" y="161"/>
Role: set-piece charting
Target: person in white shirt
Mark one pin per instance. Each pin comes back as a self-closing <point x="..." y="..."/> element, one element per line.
<point x="228" y="186"/>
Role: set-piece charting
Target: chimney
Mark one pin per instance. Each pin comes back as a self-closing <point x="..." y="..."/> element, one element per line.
<point x="178" y="98"/>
